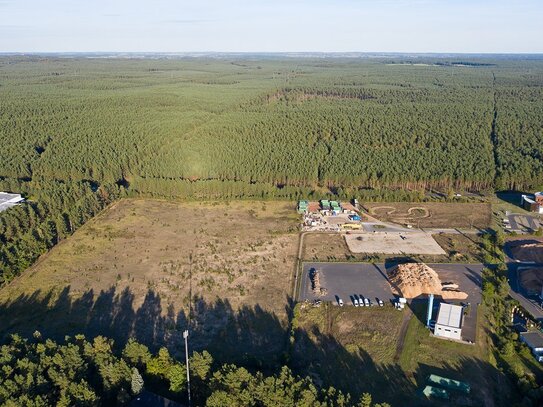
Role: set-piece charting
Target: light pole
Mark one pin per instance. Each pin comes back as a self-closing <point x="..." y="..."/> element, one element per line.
<point x="186" y="336"/>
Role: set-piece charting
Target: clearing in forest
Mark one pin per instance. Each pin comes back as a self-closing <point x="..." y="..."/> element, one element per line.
<point x="133" y="270"/>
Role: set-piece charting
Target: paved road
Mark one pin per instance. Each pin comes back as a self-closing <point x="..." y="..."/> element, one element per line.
<point x="529" y="302"/>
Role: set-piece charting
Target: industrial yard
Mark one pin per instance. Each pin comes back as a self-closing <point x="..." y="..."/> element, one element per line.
<point x="230" y="270"/>
<point x="352" y="282"/>
<point x="394" y="243"/>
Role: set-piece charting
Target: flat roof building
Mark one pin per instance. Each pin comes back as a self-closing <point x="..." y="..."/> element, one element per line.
<point x="533" y="203"/>
<point x="534" y="340"/>
<point x="8" y="200"/>
<point x="449" y="321"/>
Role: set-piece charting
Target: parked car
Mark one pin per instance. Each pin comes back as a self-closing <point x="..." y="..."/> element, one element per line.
<point x="355" y="302"/>
<point x="381" y="303"/>
<point x="340" y="302"/>
<point x="367" y="302"/>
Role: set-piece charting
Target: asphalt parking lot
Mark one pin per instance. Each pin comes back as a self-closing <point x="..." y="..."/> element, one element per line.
<point x="524" y="223"/>
<point x="346" y="280"/>
<point x="367" y="280"/>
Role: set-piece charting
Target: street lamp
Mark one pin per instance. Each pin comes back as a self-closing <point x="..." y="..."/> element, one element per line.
<point x="186" y="337"/>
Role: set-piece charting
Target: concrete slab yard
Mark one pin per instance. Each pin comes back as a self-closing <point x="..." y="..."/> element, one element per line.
<point x="393" y="243"/>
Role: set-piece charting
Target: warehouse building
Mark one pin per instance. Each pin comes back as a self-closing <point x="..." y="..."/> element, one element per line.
<point x="534" y="340"/>
<point x="449" y="321"/>
<point x="8" y="200"/>
<point x="533" y="203"/>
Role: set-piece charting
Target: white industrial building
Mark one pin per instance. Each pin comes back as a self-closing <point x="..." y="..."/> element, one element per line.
<point x="449" y="321"/>
<point x="534" y="340"/>
<point x="8" y="200"/>
<point x="533" y="203"/>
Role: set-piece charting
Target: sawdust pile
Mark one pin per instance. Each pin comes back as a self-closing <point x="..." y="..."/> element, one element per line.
<point x="414" y="279"/>
<point x="314" y="276"/>
<point x="528" y="252"/>
<point x="531" y="280"/>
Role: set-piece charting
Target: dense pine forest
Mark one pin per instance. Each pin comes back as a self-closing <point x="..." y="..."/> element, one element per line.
<point x="300" y="122"/>
<point x="77" y="133"/>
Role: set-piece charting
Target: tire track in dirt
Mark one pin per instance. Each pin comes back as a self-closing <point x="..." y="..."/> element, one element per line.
<point x="401" y="337"/>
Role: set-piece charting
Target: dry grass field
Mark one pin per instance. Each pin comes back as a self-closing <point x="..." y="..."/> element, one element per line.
<point x="433" y="215"/>
<point x="461" y="248"/>
<point x="325" y="247"/>
<point x="389" y="354"/>
<point x="133" y="271"/>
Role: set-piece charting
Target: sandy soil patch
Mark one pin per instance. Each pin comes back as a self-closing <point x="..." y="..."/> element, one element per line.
<point x="527" y="250"/>
<point x="433" y="215"/>
<point x="145" y="267"/>
<point x="531" y="279"/>
<point x="412" y="280"/>
<point x="393" y="243"/>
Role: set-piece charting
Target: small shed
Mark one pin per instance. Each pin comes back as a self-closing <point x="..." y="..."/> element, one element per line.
<point x="325" y="204"/>
<point x="303" y="207"/>
<point x="534" y="340"/>
<point x="449" y="321"/>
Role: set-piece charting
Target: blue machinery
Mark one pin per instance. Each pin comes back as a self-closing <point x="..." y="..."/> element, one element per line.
<point x="430" y="308"/>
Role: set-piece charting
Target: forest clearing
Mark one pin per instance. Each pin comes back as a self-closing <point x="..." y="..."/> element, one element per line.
<point x="146" y="261"/>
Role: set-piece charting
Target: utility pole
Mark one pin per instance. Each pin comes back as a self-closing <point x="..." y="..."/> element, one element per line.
<point x="186" y="336"/>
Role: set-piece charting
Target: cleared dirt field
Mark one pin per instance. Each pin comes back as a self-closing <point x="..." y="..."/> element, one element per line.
<point x="144" y="268"/>
<point x="433" y="215"/>
<point x="461" y="248"/>
<point x="339" y="345"/>
<point x="393" y="243"/>
<point x="325" y="247"/>
<point x="525" y="249"/>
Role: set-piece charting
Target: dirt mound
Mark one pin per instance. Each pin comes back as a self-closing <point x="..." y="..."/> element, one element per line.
<point x="531" y="280"/>
<point x="414" y="279"/>
<point x="528" y="252"/>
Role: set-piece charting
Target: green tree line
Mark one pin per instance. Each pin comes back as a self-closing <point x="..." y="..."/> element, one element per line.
<point x="81" y="372"/>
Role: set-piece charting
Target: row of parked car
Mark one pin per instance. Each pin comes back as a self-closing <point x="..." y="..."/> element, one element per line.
<point x="360" y="301"/>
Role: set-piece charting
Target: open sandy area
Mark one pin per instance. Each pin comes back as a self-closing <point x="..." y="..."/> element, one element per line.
<point x="147" y="269"/>
<point x="393" y="243"/>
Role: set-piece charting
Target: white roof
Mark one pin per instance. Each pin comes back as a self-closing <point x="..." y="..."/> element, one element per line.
<point x="9" y="200"/>
<point x="450" y="315"/>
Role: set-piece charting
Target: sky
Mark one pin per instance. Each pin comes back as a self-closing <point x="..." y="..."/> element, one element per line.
<point x="464" y="26"/>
